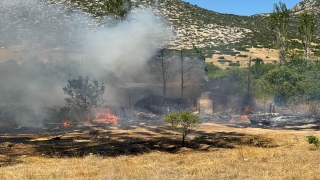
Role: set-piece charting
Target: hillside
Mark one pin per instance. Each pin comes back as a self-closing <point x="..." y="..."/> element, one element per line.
<point x="309" y="5"/>
<point x="213" y="32"/>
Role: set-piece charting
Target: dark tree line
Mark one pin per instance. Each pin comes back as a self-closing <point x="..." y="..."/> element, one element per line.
<point x="182" y="64"/>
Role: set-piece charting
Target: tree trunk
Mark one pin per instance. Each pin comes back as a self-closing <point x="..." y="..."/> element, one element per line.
<point x="249" y="77"/>
<point x="164" y="80"/>
<point x="183" y="138"/>
<point x="182" y="78"/>
<point x="281" y="47"/>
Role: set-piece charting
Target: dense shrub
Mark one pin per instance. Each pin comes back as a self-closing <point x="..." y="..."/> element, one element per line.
<point x="241" y="49"/>
<point x="234" y="63"/>
<point x="259" y="68"/>
<point x="242" y="55"/>
<point x="222" y="61"/>
<point x="213" y="71"/>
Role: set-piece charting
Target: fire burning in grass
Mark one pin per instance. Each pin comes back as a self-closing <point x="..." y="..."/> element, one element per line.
<point x="244" y="118"/>
<point x="239" y="119"/>
<point x="104" y="116"/>
<point x="66" y="124"/>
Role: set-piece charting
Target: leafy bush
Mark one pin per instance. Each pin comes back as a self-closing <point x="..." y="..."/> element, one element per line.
<point x="213" y="71"/>
<point x="242" y="55"/>
<point x="316" y="53"/>
<point x="234" y="63"/>
<point x="286" y="83"/>
<point x="210" y="67"/>
<point x="259" y="68"/>
<point x="83" y="94"/>
<point x="234" y="53"/>
<point x="313" y="140"/>
<point x="222" y="61"/>
<point x="294" y="44"/>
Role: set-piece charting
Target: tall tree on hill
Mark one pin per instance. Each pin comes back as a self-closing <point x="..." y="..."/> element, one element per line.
<point x="188" y="67"/>
<point x="185" y="74"/>
<point x="306" y="30"/>
<point x="279" y="20"/>
<point x="163" y="67"/>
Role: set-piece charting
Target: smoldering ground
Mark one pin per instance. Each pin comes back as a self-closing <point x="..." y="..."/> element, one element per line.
<point x="116" y="53"/>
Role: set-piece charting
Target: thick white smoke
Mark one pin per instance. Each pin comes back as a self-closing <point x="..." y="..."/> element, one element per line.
<point x="127" y="47"/>
<point x="58" y="32"/>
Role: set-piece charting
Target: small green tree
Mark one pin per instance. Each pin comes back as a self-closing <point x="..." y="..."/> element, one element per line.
<point x="279" y="20"/>
<point x="306" y="30"/>
<point x="83" y="94"/>
<point x="182" y="121"/>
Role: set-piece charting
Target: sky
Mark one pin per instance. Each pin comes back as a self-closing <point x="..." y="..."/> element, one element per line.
<point x="241" y="7"/>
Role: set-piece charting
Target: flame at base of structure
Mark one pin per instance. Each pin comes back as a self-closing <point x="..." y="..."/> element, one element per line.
<point x="104" y="116"/>
<point x="245" y="118"/>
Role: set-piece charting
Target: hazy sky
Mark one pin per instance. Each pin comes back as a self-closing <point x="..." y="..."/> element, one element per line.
<point x="241" y="7"/>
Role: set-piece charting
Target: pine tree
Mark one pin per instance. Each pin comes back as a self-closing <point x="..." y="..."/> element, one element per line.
<point x="279" y="20"/>
<point x="306" y="30"/>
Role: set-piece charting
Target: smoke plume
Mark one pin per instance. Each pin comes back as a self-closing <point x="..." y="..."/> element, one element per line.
<point x="45" y="43"/>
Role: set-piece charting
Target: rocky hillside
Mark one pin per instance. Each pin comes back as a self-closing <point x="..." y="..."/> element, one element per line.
<point x="309" y="5"/>
<point x="213" y="32"/>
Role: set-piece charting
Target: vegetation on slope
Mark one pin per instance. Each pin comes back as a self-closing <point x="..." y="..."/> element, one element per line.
<point x="199" y="26"/>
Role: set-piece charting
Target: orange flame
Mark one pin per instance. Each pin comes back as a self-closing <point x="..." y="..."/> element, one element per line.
<point x="66" y="124"/>
<point x="232" y="121"/>
<point x="244" y="118"/>
<point x="104" y="117"/>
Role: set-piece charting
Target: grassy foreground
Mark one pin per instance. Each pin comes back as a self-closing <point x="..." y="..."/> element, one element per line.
<point x="293" y="158"/>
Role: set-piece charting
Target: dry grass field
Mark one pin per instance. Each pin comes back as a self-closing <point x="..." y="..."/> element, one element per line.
<point x="266" y="54"/>
<point x="222" y="152"/>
